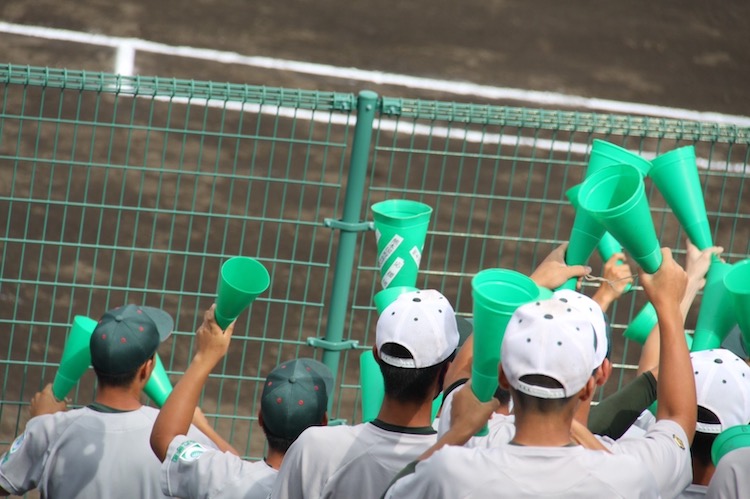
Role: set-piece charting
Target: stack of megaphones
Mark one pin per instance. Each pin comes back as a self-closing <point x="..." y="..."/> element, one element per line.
<point x="612" y="199"/>
<point x="241" y="280"/>
<point x="400" y="232"/>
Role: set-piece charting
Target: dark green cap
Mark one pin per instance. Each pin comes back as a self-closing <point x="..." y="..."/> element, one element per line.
<point x="295" y="397"/>
<point x="128" y="336"/>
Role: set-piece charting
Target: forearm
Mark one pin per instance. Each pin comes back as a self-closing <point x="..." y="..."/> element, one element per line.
<point x="208" y="430"/>
<point x="676" y="387"/>
<point x="451" y="437"/>
<point x="177" y="414"/>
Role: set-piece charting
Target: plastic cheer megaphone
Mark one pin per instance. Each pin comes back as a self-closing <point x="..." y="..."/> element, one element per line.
<point x="76" y="357"/>
<point x="241" y="280"/>
<point x="605" y="154"/>
<point x="497" y="293"/>
<point x="158" y="387"/>
<point x="676" y="176"/>
<point x="584" y="236"/>
<point x="716" y="316"/>
<point x="400" y="231"/>
<point x="733" y="438"/>
<point x="616" y="197"/>
<point x="737" y="284"/>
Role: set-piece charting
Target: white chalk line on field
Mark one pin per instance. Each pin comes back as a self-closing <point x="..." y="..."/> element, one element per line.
<point x="472" y="136"/>
<point x="128" y="46"/>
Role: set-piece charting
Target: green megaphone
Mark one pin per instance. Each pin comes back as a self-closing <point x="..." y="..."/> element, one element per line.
<point x="241" y="280"/>
<point x="675" y="174"/>
<point x="607" y="247"/>
<point x="642" y="324"/>
<point x="616" y="197"/>
<point x="497" y="293"/>
<point x="604" y="154"/>
<point x="584" y="236"/>
<point x="400" y="231"/>
<point x="158" y="387"/>
<point x="76" y="357"/>
<point x="737" y="284"/>
<point x="716" y="315"/>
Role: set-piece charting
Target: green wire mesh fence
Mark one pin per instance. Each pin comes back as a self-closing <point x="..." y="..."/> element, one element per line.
<point x="117" y="190"/>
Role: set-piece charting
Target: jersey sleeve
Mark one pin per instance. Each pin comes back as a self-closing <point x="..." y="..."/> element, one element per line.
<point x="665" y="450"/>
<point x="21" y="467"/>
<point x="192" y="470"/>
<point x="616" y="413"/>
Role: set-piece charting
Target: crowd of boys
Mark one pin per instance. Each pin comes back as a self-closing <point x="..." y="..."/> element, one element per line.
<point x="545" y="439"/>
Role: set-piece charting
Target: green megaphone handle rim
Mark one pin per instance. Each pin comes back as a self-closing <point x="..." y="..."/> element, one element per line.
<point x="733" y="438"/>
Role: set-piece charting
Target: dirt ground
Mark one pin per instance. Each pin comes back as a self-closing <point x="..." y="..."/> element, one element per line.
<point x="690" y="55"/>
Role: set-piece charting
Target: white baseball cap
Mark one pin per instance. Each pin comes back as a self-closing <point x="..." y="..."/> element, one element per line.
<point x="722" y="385"/>
<point x="552" y="339"/>
<point x="423" y="322"/>
<point x="594" y="313"/>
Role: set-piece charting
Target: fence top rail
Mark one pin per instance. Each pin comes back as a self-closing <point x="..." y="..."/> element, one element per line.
<point x="175" y="88"/>
<point x="417" y="109"/>
<point x="573" y="121"/>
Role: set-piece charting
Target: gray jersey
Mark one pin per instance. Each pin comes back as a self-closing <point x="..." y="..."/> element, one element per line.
<point x="518" y="472"/>
<point x="731" y="479"/>
<point x="348" y="461"/>
<point x="85" y="453"/>
<point x="192" y="471"/>
<point x="663" y="448"/>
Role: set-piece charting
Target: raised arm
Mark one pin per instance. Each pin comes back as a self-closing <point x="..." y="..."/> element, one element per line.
<point x="676" y="388"/>
<point x="180" y="408"/>
<point x="697" y="263"/>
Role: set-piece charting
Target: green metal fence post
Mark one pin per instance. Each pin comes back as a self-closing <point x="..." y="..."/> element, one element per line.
<point x="349" y="225"/>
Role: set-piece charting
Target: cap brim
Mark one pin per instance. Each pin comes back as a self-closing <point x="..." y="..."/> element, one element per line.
<point x="164" y="322"/>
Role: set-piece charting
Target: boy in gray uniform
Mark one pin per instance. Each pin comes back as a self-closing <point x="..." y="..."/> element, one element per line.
<point x="416" y="339"/>
<point x="731" y="479"/>
<point x="100" y="450"/>
<point x="546" y="360"/>
<point x="295" y="396"/>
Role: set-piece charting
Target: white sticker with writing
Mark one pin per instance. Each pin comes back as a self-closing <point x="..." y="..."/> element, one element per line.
<point x="392" y="272"/>
<point x="389" y="249"/>
<point x="416" y="255"/>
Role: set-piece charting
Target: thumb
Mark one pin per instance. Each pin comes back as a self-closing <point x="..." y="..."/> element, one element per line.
<point x="577" y="270"/>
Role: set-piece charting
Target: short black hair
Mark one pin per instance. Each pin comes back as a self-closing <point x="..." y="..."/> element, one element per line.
<point x="279" y="444"/>
<point x="536" y="404"/>
<point x="115" y="380"/>
<point x="404" y="384"/>
<point x="702" y="442"/>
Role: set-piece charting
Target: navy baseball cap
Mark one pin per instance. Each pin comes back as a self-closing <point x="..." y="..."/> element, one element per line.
<point x="128" y="336"/>
<point x="295" y="397"/>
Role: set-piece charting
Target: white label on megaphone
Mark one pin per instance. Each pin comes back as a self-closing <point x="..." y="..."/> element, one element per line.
<point x="416" y="255"/>
<point x="387" y="252"/>
<point x="393" y="270"/>
<point x="377" y="236"/>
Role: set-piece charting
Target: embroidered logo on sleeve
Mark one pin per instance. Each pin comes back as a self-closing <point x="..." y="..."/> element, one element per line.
<point x="188" y="451"/>
<point x="678" y="441"/>
<point x="15" y="446"/>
